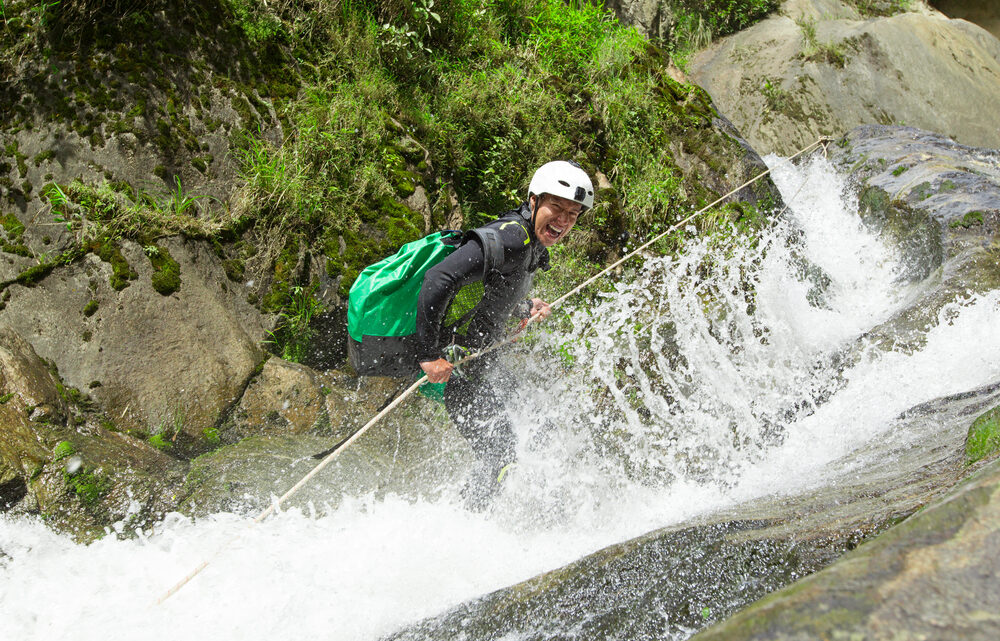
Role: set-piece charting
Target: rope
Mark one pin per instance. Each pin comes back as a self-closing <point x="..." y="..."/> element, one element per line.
<point x="420" y="381"/>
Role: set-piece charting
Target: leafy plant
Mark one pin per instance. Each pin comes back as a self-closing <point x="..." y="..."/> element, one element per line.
<point x="293" y="333"/>
<point x="178" y="202"/>
<point x="776" y="97"/>
<point x="817" y="51"/>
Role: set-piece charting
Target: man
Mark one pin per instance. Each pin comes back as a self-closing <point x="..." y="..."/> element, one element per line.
<point x="467" y="299"/>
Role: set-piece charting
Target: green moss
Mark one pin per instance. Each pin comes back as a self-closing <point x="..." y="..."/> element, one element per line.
<point x="201" y="163"/>
<point x="62" y="450"/>
<point x="211" y="435"/>
<point x="121" y="272"/>
<point x="90" y="308"/>
<point x="89" y="486"/>
<point x="166" y="270"/>
<point x="34" y="275"/>
<point x="12" y="225"/>
<point x="899" y="170"/>
<point x="281" y="283"/>
<point x="14" y="151"/>
<point x="6" y="397"/>
<point x="18" y="249"/>
<point x="44" y="156"/>
<point x="923" y="191"/>
<point x="159" y="442"/>
<point x="984" y="437"/>
<point x="971" y="219"/>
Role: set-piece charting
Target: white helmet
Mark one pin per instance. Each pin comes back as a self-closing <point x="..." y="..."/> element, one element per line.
<point x="563" y="178"/>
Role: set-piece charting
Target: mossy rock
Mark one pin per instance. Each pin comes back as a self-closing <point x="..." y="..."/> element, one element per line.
<point x="166" y="272"/>
<point x="984" y="437"/>
<point x="121" y="271"/>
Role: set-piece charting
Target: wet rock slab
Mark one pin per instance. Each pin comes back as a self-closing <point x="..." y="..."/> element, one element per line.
<point x="670" y="583"/>
<point x="932" y="577"/>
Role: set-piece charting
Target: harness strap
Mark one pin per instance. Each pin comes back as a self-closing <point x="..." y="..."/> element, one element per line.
<point x="492" y="249"/>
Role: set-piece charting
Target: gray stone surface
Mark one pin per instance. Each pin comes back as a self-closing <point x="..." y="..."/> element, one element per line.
<point x="917" y="68"/>
<point x="940" y="201"/>
<point x="155" y="363"/>
<point x="931" y="577"/>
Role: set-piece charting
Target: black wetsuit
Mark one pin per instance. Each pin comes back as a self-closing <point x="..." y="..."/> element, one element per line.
<point x="475" y="399"/>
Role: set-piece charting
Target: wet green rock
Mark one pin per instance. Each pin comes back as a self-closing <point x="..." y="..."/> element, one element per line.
<point x="166" y="277"/>
<point x="984" y="437"/>
<point x="62" y="460"/>
<point x="931" y="577"/>
<point x="413" y="453"/>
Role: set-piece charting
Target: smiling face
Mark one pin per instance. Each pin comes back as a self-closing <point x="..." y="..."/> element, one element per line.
<point x="554" y="218"/>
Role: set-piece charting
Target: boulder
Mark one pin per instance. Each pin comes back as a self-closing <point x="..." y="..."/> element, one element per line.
<point x="157" y="364"/>
<point x="931" y="577"/>
<point x="285" y="398"/>
<point x="939" y="201"/>
<point x="60" y="460"/>
<point x="820" y="71"/>
<point x="413" y="452"/>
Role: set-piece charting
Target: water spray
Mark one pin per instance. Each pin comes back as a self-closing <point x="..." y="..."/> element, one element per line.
<point x="336" y="450"/>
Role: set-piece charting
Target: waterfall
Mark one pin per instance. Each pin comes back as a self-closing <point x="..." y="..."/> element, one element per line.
<point x="737" y="370"/>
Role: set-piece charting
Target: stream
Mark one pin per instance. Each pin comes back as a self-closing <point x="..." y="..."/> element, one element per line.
<point x="700" y="384"/>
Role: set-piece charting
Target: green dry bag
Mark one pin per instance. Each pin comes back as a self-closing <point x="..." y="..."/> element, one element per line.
<point x="382" y="309"/>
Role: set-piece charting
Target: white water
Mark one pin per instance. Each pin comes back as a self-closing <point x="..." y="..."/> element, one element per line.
<point x="746" y="404"/>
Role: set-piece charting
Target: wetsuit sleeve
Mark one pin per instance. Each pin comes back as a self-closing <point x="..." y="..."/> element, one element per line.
<point x="441" y="282"/>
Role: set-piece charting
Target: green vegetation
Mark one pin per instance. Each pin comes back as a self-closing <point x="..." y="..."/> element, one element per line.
<point x="166" y="271"/>
<point x="876" y="8"/>
<point x="211" y="435"/>
<point x="774" y="94"/>
<point x="63" y="450"/>
<point x="14" y="230"/>
<point x="6" y="397"/>
<point x="292" y="336"/>
<point x="697" y="23"/>
<point x="160" y="442"/>
<point x="971" y="219"/>
<point x="816" y="51"/>
<point x="396" y="118"/>
<point x="899" y="171"/>
<point x="89" y="486"/>
<point x="91" y="308"/>
<point x="984" y="437"/>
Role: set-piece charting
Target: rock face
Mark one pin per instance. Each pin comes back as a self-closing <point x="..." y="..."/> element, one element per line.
<point x="414" y="452"/>
<point x="931" y="577"/>
<point x="61" y="461"/>
<point x="940" y="201"/>
<point x="820" y="70"/>
<point x="651" y="17"/>
<point x="155" y="363"/>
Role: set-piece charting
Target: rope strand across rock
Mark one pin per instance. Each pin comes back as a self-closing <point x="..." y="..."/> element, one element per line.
<point x="823" y="141"/>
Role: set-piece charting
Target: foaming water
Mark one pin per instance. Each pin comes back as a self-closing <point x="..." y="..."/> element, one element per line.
<point x="728" y="373"/>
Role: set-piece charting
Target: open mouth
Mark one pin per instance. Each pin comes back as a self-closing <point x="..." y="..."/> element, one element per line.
<point x="554" y="232"/>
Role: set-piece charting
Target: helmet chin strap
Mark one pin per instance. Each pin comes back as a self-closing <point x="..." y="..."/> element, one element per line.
<point x="534" y="212"/>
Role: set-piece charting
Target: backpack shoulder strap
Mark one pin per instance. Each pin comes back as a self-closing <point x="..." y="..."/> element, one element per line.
<point x="492" y="248"/>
